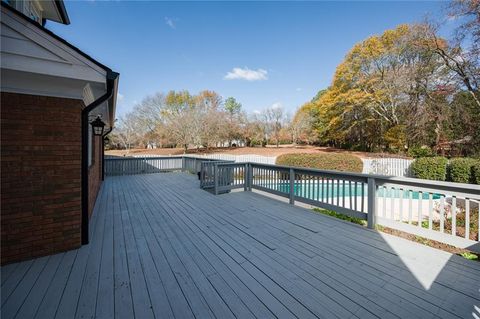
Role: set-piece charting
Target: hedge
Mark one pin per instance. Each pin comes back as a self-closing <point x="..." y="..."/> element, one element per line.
<point x="337" y="162"/>
<point x="418" y="151"/>
<point x="476" y="172"/>
<point x="434" y="168"/>
<point x="460" y="170"/>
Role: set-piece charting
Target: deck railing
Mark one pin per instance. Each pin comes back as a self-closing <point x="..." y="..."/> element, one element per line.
<point x="145" y="165"/>
<point x="446" y="212"/>
<point x="436" y="210"/>
<point x="141" y="165"/>
<point x="223" y="176"/>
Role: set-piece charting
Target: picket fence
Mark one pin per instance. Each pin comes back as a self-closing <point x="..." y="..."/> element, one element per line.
<point x="378" y="166"/>
<point x="388" y="166"/>
<point x="252" y="158"/>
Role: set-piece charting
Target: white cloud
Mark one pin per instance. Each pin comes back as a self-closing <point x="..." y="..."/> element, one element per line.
<point x="246" y="74"/>
<point x="276" y="105"/>
<point x="170" y="22"/>
<point x="298" y="89"/>
<point x="256" y="112"/>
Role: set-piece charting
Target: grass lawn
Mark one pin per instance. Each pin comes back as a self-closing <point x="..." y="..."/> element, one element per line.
<point x="465" y="253"/>
<point x="264" y="151"/>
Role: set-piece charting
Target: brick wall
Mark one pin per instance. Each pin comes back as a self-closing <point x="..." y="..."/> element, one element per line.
<point x="40" y="175"/>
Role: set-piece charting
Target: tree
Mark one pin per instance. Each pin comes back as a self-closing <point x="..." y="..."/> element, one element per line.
<point x="468" y="31"/>
<point x="235" y="119"/>
<point x="232" y="106"/>
<point x="179" y="117"/>
<point x="382" y="80"/>
<point x="274" y="117"/>
<point x="302" y="126"/>
<point x="209" y="119"/>
<point x="461" y="55"/>
<point x="125" y="132"/>
<point x="148" y="116"/>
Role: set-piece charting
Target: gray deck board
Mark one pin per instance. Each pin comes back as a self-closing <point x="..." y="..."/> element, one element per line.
<point x="7" y="271"/>
<point x="162" y="248"/>
<point x="390" y="268"/>
<point x="18" y="296"/>
<point x="140" y="294"/>
<point x="37" y="292"/>
<point x="121" y="283"/>
<point x="105" y="304"/>
<point x="318" y="293"/>
<point x="383" y="260"/>
<point x="52" y="296"/>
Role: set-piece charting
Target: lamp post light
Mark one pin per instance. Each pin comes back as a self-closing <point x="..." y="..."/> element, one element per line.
<point x="98" y="125"/>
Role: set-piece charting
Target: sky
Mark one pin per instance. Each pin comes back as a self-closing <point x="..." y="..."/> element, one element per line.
<point x="261" y="53"/>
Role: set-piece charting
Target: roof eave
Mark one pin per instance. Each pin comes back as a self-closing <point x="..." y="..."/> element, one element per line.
<point x="112" y="102"/>
<point x="62" y="11"/>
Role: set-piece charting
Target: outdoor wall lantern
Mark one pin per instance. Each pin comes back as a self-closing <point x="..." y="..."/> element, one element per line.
<point x="97" y="126"/>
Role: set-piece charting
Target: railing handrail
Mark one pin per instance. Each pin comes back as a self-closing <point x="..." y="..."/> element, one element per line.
<point x="441" y="185"/>
<point x="128" y="158"/>
<point x="459" y="187"/>
<point x="118" y="158"/>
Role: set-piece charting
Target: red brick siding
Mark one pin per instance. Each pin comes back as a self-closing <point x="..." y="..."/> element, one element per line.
<point x="40" y="176"/>
<point x="94" y="173"/>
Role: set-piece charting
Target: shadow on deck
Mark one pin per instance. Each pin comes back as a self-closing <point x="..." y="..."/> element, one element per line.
<point x="161" y="247"/>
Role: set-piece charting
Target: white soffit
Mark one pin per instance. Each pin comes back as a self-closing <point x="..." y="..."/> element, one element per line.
<point x="39" y="84"/>
<point x="50" y="11"/>
<point x="28" y="50"/>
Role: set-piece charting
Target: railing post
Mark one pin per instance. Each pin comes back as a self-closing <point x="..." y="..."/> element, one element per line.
<point x="215" y="179"/>
<point x="183" y="163"/>
<point x="292" y="185"/>
<point x="202" y="174"/>
<point x="245" y="178"/>
<point x="372" y="203"/>
<point x="250" y="176"/>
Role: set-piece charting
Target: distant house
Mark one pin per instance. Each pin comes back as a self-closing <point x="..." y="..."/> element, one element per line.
<point x="51" y="156"/>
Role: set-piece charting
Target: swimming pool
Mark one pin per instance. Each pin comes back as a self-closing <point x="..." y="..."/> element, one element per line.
<point x="317" y="191"/>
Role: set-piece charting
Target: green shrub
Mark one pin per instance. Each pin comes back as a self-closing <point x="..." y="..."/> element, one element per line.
<point x="460" y="170"/>
<point x="332" y="213"/>
<point x="338" y="162"/>
<point x="434" y="168"/>
<point x="420" y="151"/>
<point x="476" y="172"/>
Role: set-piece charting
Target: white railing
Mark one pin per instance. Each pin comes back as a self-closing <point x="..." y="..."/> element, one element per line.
<point x="387" y="166"/>
<point x="439" y="211"/>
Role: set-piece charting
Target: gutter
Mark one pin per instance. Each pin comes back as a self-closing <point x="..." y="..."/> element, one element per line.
<point x="112" y="87"/>
<point x="112" y="79"/>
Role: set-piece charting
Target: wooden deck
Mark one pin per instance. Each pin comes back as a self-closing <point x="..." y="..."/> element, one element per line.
<point x="162" y="248"/>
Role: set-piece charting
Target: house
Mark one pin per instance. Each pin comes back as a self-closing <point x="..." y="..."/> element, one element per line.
<point x="52" y="96"/>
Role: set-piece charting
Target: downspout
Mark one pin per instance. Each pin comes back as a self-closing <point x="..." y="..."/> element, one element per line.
<point x="110" y="84"/>
<point x="103" y="151"/>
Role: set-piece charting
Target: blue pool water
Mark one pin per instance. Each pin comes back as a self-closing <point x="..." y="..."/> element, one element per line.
<point x="324" y="190"/>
